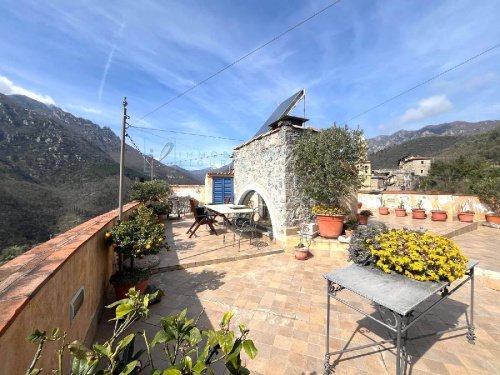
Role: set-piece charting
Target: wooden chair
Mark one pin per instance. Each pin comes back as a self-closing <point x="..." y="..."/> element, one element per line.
<point x="200" y="218"/>
<point x="227" y="200"/>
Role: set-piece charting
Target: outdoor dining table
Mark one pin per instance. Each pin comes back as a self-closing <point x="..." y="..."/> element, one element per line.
<point x="396" y="298"/>
<point x="226" y="210"/>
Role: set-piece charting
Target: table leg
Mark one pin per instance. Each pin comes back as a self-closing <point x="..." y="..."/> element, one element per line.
<point x="398" y="345"/>
<point x="471" y="336"/>
<point x="327" y="343"/>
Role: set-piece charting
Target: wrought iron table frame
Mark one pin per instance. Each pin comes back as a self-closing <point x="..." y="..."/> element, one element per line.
<point x="398" y="323"/>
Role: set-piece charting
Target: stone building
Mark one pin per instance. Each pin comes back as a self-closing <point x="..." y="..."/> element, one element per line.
<point x="419" y="165"/>
<point x="264" y="176"/>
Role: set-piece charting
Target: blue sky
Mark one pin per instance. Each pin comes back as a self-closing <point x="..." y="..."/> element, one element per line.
<point x="84" y="56"/>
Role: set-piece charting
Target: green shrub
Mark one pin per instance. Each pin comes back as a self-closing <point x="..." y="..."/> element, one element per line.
<point x="149" y="191"/>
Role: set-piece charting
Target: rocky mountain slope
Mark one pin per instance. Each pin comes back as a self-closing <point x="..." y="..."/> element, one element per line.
<point x="57" y="170"/>
<point x="453" y="129"/>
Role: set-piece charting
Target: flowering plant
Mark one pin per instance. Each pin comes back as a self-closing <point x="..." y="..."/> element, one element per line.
<point x="322" y="209"/>
<point x="419" y="256"/>
<point x="359" y="248"/>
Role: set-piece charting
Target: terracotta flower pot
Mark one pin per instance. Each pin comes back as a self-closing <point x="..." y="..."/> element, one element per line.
<point x="418" y="213"/>
<point x="383" y="211"/>
<point x="330" y="226"/>
<point x="400" y="212"/>
<point x="362" y="219"/>
<point x="492" y="218"/>
<point x="122" y="290"/>
<point x="466" y="217"/>
<point x="438" y="215"/>
<point x="301" y="254"/>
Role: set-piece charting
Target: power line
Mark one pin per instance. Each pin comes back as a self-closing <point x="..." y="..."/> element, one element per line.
<point x="239" y="60"/>
<point x="424" y="82"/>
<point x="143" y="128"/>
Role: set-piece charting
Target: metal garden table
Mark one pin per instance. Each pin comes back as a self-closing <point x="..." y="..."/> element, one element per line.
<point x="396" y="298"/>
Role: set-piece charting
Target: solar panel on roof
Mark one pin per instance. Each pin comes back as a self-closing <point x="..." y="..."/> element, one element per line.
<point x="281" y="111"/>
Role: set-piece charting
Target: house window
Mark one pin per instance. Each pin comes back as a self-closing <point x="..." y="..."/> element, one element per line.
<point x="421" y="171"/>
<point x="366" y="169"/>
<point x="422" y="162"/>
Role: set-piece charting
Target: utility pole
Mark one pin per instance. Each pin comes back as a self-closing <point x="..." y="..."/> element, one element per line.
<point x="122" y="160"/>
<point x="152" y="166"/>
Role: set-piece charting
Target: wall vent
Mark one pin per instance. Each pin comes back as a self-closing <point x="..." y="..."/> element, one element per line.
<point x="76" y="302"/>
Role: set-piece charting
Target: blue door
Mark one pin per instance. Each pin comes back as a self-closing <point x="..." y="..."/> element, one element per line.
<point x="222" y="187"/>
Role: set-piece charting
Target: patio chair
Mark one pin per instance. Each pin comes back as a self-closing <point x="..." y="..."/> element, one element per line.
<point x="244" y="223"/>
<point x="200" y="218"/>
<point x="227" y="200"/>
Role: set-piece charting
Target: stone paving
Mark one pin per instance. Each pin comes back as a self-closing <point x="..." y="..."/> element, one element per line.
<point x="283" y="302"/>
<point x="207" y="248"/>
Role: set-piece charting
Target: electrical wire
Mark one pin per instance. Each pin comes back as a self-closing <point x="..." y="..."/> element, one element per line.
<point x="146" y="129"/>
<point x="423" y="82"/>
<point x="181" y="94"/>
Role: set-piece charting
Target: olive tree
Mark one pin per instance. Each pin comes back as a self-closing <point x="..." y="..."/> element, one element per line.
<point x="327" y="162"/>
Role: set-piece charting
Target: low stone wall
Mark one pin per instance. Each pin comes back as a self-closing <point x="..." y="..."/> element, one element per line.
<point x="451" y="203"/>
<point x="37" y="287"/>
<point x="194" y="191"/>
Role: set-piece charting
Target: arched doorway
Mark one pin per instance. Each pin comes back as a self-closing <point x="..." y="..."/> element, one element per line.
<point x="255" y="198"/>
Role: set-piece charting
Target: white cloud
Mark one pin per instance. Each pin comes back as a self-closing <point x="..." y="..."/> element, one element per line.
<point x="85" y="109"/>
<point x="426" y="108"/>
<point x="9" y="88"/>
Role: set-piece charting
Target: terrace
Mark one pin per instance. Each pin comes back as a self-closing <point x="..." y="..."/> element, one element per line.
<point x="283" y="302"/>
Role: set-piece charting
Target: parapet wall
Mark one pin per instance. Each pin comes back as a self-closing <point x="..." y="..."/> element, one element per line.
<point x="37" y="287"/>
<point x="451" y="203"/>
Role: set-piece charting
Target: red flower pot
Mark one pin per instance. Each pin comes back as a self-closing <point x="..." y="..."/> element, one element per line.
<point x="418" y="213"/>
<point x="400" y="212"/>
<point x="438" y="215"/>
<point x="330" y="226"/>
<point x="492" y="218"/>
<point x="122" y="290"/>
<point x="362" y="219"/>
<point x="466" y="217"/>
<point x="383" y="211"/>
<point x="301" y="254"/>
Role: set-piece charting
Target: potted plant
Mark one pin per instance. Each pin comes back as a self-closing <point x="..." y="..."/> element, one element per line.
<point x="136" y="237"/>
<point x="350" y="225"/>
<point x="400" y="210"/>
<point x="383" y="210"/>
<point x="363" y="217"/>
<point x="418" y="212"/>
<point x="438" y="215"/>
<point x="489" y="193"/>
<point x="149" y="191"/>
<point x="326" y="165"/>
<point x="160" y="208"/>
<point x="465" y="215"/>
<point x="330" y="220"/>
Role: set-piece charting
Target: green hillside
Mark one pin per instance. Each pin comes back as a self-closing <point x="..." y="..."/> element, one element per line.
<point x="425" y="146"/>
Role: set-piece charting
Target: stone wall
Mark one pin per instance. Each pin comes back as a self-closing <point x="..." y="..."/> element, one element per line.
<point x="193" y="191"/>
<point x="265" y="165"/>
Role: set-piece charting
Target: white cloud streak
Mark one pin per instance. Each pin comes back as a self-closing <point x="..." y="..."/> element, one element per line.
<point x="428" y="107"/>
<point x="9" y="88"/>
<point x="108" y="62"/>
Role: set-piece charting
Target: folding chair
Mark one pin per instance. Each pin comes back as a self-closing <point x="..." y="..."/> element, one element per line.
<point x="200" y="218"/>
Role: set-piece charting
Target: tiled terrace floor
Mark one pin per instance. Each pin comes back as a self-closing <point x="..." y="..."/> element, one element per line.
<point x="204" y="247"/>
<point x="482" y="244"/>
<point x="283" y="302"/>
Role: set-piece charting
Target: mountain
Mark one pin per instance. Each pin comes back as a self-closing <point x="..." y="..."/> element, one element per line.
<point x="200" y="174"/>
<point x="483" y="146"/>
<point x="456" y="128"/>
<point x="57" y="170"/>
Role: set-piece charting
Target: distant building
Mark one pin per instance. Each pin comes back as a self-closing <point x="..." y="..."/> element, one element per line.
<point x="418" y="165"/>
<point x="365" y="172"/>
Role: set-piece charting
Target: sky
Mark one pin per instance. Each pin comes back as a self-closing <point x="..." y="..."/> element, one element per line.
<point x="84" y="56"/>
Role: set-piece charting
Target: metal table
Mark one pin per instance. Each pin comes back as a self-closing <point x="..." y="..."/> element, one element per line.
<point x="396" y="298"/>
<point x="224" y="210"/>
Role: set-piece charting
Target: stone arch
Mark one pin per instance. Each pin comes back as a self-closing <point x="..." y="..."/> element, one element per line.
<point x="250" y="188"/>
